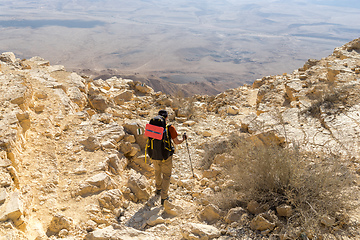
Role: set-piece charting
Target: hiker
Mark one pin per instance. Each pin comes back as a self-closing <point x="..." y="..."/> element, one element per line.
<point x="162" y="156"/>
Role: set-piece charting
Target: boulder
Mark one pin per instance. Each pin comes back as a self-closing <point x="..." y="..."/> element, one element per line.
<point x="210" y="214"/>
<point x="77" y="81"/>
<point x="58" y="223"/>
<point x="125" y="95"/>
<point x="254" y="207"/>
<point x="77" y="97"/>
<point x="116" y="163"/>
<point x="139" y="186"/>
<point x="186" y="183"/>
<point x="97" y="183"/>
<point x="111" y="199"/>
<point x="12" y="208"/>
<point x="8" y="57"/>
<point x="118" y="232"/>
<point x="328" y="221"/>
<point x="199" y="231"/>
<point x="262" y="222"/>
<point x="284" y="210"/>
<point x="172" y="209"/>
<point x="138" y="163"/>
<point x="155" y="220"/>
<point x="125" y="147"/>
<point x="212" y="172"/>
<point x="137" y="129"/>
<point x="98" y="102"/>
<point x="234" y="214"/>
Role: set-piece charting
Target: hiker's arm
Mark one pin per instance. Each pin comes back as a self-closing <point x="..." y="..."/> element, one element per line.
<point x="178" y="141"/>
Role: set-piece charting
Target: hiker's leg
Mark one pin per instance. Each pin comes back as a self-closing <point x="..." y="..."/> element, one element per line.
<point x="158" y="178"/>
<point x="166" y="170"/>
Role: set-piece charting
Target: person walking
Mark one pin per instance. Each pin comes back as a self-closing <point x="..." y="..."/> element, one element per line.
<point x="162" y="156"/>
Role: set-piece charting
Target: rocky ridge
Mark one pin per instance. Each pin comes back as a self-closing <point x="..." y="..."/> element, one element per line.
<point x="72" y="159"/>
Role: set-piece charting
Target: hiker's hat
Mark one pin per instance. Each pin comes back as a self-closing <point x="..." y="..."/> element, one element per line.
<point x="163" y="113"/>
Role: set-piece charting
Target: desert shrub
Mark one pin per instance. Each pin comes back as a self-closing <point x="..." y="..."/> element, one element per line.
<point x="313" y="185"/>
<point x="332" y="98"/>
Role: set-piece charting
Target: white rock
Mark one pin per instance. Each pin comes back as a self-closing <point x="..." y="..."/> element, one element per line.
<point x="199" y="231"/>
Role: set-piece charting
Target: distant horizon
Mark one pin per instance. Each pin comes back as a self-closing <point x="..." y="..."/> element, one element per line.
<point x="223" y="43"/>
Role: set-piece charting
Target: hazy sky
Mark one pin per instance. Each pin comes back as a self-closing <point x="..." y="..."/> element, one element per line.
<point x="231" y="38"/>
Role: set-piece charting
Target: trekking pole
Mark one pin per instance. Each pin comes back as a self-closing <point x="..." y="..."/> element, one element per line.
<point x="187" y="146"/>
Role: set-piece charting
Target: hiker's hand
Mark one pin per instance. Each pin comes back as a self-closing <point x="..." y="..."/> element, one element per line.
<point x="184" y="136"/>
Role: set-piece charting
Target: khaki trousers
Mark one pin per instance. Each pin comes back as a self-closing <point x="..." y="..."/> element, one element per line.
<point x="163" y="175"/>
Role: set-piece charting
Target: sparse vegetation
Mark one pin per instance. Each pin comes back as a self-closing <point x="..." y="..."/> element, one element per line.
<point x="330" y="97"/>
<point x="313" y="185"/>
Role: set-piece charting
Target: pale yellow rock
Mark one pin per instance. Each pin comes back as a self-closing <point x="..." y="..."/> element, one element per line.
<point x="284" y="210"/>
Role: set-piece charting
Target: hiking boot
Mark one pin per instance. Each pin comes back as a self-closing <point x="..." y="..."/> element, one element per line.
<point x="158" y="191"/>
<point x="163" y="200"/>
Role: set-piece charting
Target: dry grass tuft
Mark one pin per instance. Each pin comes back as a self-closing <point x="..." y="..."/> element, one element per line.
<point x="314" y="186"/>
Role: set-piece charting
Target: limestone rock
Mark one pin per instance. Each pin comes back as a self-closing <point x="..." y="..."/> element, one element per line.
<point x="155" y="220"/>
<point x="5" y="163"/>
<point x="186" y="183"/>
<point x="234" y="215"/>
<point x="8" y="57"/>
<point x="199" y="231"/>
<point x="77" y="81"/>
<point x="117" y="163"/>
<point x="139" y="186"/>
<point x="137" y="129"/>
<point x="111" y="199"/>
<point x="58" y="223"/>
<point x="172" y="209"/>
<point x="284" y="210"/>
<point x="262" y="222"/>
<point x="143" y="88"/>
<point x="3" y="195"/>
<point x="77" y="97"/>
<point x="254" y="207"/>
<point x="5" y="178"/>
<point x="223" y="159"/>
<point x="138" y="163"/>
<point x="97" y="183"/>
<point x="109" y="144"/>
<point x="328" y="221"/>
<point x="212" y="172"/>
<point x="119" y="232"/>
<point x="12" y="208"/>
<point x="210" y="214"/>
<point x="125" y="95"/>
<point x="98" y="102"/>
<point x="91" y="143"/>
<point x="233" y="110"/>
<point x="125" y="147"/>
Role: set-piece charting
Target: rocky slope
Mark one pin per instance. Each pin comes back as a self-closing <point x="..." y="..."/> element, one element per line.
<point x="72" y="161"/>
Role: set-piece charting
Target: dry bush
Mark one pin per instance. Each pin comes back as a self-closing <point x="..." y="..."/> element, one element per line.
<point x="271" y="175"/>
<point x="333" y="98"/>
